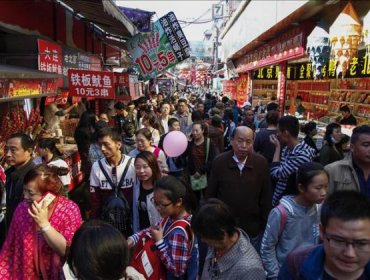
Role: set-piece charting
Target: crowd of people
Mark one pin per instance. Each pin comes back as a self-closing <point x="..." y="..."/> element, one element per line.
<point x="247" y="199"/>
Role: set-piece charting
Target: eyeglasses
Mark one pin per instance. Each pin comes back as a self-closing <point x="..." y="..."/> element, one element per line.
<point x="340" y="243"/>
<point x="160" y="205"/>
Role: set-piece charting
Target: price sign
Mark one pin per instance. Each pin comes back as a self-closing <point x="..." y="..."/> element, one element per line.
<point x="91" y="84"/>
<point x="163" y="48"/>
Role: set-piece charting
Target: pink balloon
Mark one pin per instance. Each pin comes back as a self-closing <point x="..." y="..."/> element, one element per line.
<point x="175" y="143"/>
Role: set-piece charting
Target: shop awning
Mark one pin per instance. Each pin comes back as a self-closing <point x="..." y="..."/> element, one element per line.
<point x="14" y="72"/>
<point x="105" y="14"/>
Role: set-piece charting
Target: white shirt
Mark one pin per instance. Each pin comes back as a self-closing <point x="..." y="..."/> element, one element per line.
<point x="98" y="180"/>
<point x="240" y="164"/>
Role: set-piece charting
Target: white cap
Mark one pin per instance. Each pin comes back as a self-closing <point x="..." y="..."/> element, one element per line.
<point x="246" y="103"/>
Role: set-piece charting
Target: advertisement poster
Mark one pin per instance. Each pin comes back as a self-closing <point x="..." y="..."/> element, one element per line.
<point x="242" y="90"/>
<point x="25" y="87"/>
<point x="93" y="84"/>
<point x="161" y="49"/>
<point x="229" y="88"/>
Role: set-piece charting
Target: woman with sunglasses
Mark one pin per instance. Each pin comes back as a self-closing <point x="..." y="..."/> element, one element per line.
<point x="174" y="245"/>
<point x="147" y="171"/>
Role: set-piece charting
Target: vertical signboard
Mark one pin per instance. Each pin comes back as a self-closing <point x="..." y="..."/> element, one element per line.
<point x="163" y="48"/>
<point x="281" y="86"/>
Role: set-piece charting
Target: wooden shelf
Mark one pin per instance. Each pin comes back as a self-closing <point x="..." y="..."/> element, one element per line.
<point x="352" y="103"/>
<point x="313" y="90"/>
<point x="354" y="90"/>
<point x="264" y="89"/>
<point x="315" y="104"/>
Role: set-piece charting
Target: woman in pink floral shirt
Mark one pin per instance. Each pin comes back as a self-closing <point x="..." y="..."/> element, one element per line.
<point x="39" y="235"/>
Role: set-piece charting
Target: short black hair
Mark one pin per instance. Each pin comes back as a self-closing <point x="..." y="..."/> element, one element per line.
<point x="307" y="171"/>
<point x="164" y="102"/>
<point x="345" y="108"/>
<point x="299" y="98"/>
<point x="145" y="132"/>
<point x="120" y="106"/>
<point x="329" y="131"/>
<point x="26" y="141"/>
<point x="213" y="220"/>
<point x="196" y="116"/>
<point x="272" y="117"/>
<point x="290" y="124"/>
<point x="98" y="251"/>
<point x="229" y="114"/>
<point x="356" y="132"/>
<point x="345" y="206"/>
<point x="171" y="121"/>
<point x="108" y="131"/>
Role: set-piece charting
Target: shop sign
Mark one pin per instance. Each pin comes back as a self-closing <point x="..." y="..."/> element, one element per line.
<point x="359" y="67"/>
<point x="229" y="88"/>
<point x="60" y="99"/>
<point x="272" y="73"/>
<point x="281" y="86"/>
<point x="242" y="89"/>
<point x="288" y="46"/>
<point x="163" y="48"/>
<point x="50" y="57"/>
<point x="30" y="87"/>
<point x="121" y="79"/>
<point x="76" y="60"/>
<point x="92" y="84"/>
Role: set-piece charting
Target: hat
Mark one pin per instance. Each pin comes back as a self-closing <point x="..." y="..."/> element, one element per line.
<point x="247" y="104"/>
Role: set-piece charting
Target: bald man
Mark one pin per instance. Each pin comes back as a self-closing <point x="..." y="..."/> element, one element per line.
<point x="241" y="179"/>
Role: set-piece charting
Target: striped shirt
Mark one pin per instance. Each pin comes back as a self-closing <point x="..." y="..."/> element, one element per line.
<point x="291" y="160"/>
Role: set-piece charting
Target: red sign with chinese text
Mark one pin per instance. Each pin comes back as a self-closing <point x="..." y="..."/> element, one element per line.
<point x="59" y="100"/>
<point x="94" y="84"/>
<point x="281" y="86"/>
<point x="121" y="79"/>
<point x="289" y="45"/>
<point x="242" y="89"/>
<point x="50" y="57"/>
<point x="229" y="88"/>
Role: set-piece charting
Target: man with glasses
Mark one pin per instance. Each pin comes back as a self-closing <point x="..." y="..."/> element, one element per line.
<point x="345" y="251"/>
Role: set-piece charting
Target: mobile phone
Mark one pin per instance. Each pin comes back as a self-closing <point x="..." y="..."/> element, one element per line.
<point x="48" y="198"/>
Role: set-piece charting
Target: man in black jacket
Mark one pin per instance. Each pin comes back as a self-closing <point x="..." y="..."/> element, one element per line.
<point x="18" y="154"/>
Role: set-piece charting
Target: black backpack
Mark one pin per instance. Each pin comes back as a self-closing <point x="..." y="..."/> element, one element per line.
<point x="116" y="210"/>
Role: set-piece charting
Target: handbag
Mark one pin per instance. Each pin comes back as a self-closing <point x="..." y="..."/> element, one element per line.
<point x="145" y="258"/>
<point x="201" y="182"/>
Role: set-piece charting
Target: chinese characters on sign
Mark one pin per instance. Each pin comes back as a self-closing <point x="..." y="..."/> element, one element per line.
<point x="281" y="86"/>
<point x="94" y="84"/>
<point x="229" y="88"/>
<point x="121" y="79"/>
<point x="50" y="57"/>
<point x="163" y="48"/>
<point x="242" y="89"/>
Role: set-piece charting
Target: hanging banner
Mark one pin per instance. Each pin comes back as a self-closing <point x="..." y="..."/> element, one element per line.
<point x="163" y="48"/>
<point x="121" y="79"/>
<point x="281" y="86"/>
<point x="58" y="100"/>
<point x="242" y="89"/>
<point x="229" y="88"/>
<point x="93" y="84"/>
<point x="50" y="57"/>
